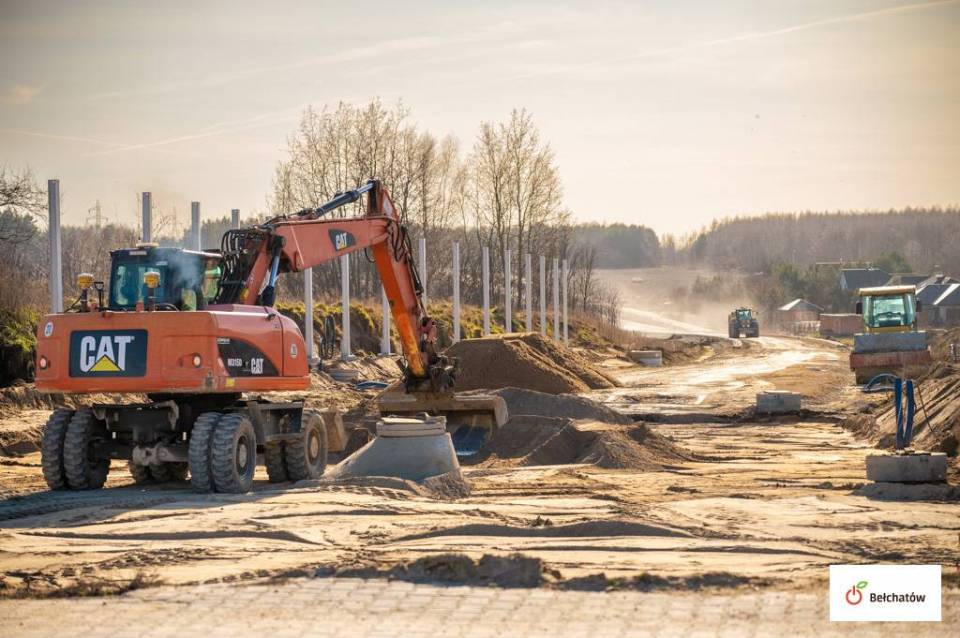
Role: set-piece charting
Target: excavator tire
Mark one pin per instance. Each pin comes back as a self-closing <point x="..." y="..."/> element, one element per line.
<point x="273" y="458"/>
<point x="306" y="456"/>
<point x="51" y="449"/>
<point x="82" y="469"/>
<point x="140" y="473"/>
<point x="169" y="472"/>
<point x="234" y="454"/>
<point x="201" y="438"/>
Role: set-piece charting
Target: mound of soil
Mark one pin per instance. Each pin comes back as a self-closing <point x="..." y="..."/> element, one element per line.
<point x="514" y="570"/>
<point x="544" y="440"/>
<point x="572" y="406"/>
<point x="527" y="361"/>
<point x="936" y="421"/>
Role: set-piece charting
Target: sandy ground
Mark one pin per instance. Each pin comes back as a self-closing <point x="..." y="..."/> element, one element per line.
<point x="765" y="503"/>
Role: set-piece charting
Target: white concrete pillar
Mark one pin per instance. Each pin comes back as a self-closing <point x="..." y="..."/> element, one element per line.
<point x="308" y="315"/>
<point x="486" y="291"/>
<point x="56" y="263"/>
<point x="147" y="209"/>
<point x="423" y="269"/>
<point x="195" y="226"/>
<point x="528" y="297"/>
<point x="507" y="301"/>
<point x="345" y="307"/>
<point x="556" y="299"/>
<point x="235" y="218"/>
<point x="566" y="315"/>
<point x="456" y="291"/>
<point x="385" y="327"/>
<point x="543" y="295"/>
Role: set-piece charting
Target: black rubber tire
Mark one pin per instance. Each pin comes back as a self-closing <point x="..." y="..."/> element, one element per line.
<point x="306" y="455"/>
<point x="51" y="449"/>
<point x="169" y="472"/>
<point x="234" y="454"/>
<point x="82" y="470"/>
<point x="140" y="473"/>
<point x="273" y="458"/>
<point x="733" y="332"/>
<point x="201" y="440"/>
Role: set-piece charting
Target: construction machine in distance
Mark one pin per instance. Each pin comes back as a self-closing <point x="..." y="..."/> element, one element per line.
<point x="196" y="332"/>
<point x="890" y="341"/>
<point x="742" y="322"/>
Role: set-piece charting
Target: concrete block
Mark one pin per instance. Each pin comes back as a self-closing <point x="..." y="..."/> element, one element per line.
<point x="336" y="432"/>
<point x="907" y="467"/>
<point x="343" y="375"/>
<point x="652" y="358"/>
<point x="778" y="402"/>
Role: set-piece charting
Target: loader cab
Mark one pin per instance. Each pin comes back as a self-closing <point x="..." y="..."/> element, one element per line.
<point x="744" y="314"/>
<point x="888" y="308"/>
<point x="188" y="279"/>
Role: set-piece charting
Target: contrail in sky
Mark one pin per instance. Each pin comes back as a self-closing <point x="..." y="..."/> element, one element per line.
<point x="72" y="138"/>
<point x="757" y="35"/>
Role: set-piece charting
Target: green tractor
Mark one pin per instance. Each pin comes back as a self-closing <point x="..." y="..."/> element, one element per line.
<point x="742" y="322"/>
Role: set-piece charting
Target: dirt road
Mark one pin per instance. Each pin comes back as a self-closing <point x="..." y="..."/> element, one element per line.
<point x="756" y="504"/>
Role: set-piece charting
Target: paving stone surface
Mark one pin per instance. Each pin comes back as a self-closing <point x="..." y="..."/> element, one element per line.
<point x="373" y="608"/>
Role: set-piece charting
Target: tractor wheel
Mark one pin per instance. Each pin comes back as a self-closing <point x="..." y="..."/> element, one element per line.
<point x="169" y="472"/>
<point x="51" y="450"/>
<point x="140" y="473"/>
<point x="733" y="332"/>
<point x="306" y="456"/>
<point x="273" y="458"/>
<point x="81" y="465"/>
<point x="201" y="437"/>
<point x="234" y="454"/>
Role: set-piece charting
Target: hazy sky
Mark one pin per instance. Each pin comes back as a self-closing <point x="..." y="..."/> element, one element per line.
<point x="665" y="113"/>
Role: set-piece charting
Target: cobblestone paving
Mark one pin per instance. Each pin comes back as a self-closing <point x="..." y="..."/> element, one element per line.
<point x="354" y="607"/>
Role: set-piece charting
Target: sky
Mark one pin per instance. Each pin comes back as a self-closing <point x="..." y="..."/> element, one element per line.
<point x="662" y="113"/>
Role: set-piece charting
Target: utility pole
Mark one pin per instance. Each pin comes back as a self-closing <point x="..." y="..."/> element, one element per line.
<point x="507" y="301"/>
<point x="456" y="291"/>
<point x="147" y="223"/>
<point x="528" y="282"/>
<point x="56" y="265"/>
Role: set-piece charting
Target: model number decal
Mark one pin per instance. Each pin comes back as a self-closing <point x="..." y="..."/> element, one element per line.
<point x="243" y="359"/>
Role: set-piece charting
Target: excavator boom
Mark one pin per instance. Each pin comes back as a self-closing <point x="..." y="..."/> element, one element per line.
<point x="292" y="243"/>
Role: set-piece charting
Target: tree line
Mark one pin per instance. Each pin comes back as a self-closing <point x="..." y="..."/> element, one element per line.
<point x="926" y="239"/>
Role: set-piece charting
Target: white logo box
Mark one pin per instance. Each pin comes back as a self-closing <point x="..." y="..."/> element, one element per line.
<point x="885" y="593"/>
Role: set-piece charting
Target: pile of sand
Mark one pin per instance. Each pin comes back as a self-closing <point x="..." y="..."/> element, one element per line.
<point x="572" y="406"/>
<point x="527" y="361"/>
<point x="543" y="440"/>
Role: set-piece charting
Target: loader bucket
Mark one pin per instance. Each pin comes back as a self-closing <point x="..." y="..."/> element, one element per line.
<point x="471" y="418"/>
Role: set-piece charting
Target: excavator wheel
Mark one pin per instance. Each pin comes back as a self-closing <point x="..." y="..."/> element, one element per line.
<point x="51" y="450"/>
<point x="234" y="454"/>
<point x="81" y="465"/>
<point x="140" y="473"/>
<point x="306" y="456"/>
<point x="273" y="458"/>
<point x="201" y="438"/>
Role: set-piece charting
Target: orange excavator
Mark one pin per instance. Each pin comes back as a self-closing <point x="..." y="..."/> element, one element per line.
<point x="196" y="332"/>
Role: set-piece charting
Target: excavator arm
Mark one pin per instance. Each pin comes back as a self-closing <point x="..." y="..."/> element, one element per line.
<point x="254" y="257"/>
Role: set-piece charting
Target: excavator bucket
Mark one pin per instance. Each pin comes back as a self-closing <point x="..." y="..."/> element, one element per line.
<point x="472" y="418"/>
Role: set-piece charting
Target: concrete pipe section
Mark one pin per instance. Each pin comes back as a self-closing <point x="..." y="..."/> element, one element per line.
<point x="409" y="448"/>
